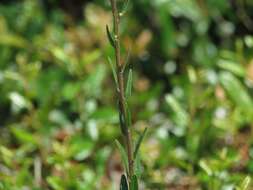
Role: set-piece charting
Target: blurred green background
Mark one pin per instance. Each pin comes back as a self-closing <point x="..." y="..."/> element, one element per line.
<point x="193" y="85"/>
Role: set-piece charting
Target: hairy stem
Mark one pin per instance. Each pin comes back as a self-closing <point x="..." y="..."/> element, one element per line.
<point x="121" y="89"/>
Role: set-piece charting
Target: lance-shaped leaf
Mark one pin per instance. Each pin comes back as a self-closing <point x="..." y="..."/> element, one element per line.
<point x="123" y="183"/>
<point x="123" y="155"/>
<point x="113" y="72"/>
<point x="109" y="36"/>
<point x="128" y="116"/>
<point x="134" y="183"/>
<point x="137" y="166"/>
<point x="129" y="84"/>
<point x="125" y="7"/>
<point x="127" y="59"/>
<point x="139" y="141"/>
<point x="123" y="124"/>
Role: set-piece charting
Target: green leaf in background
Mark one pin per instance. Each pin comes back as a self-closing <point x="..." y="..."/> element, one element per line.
<point x="109" y="36"/>
<point x="55" y="182"/>
<point x="184" y="8"/>
<point x="106" y="114"/>
<point x="181" y="116"/>
<point x="237" y="92"/>
<point x="6" y="155"/>
<point x="19" y="102"/>
<point x="139" y="141"/>
<point x="60" y="55"/>
<point x="70" y="90"/>
<point x="123" y="154"/>
<point x="91" y="57"/>
<point x="81" y="147"/>
<point x="58" y="117"/>
<point x="13" y="40"/>
<point x="123" y="183"/>
<point x="245" y="184"/>
<point x="231" y="66"/>
<point x="166" y="25"/>
<point x="113" y="72"/>
<point x="205" y="167"/>
<point x="23" y="136"/>
<point x="93" y="83"/>
<point x="129" y="84"/>
<point x="125" y="7"/>
<point x="134" y="183"/>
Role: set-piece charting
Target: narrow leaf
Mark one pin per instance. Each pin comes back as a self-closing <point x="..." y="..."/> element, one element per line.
<point x="137" y="166"/>
<point x="128" y="116"/>
<point x="127" y="59"/>
<point x="123" y="155"/>
<point x="129" y="84"/>
<point x="233" y="67"/>
<point x="123" y="124"/>
<point x="123" y="183"/>
<point x="109" y="36"/>
<point x="139" y="141"/>
<point x="125" y="7"/>
<point x="113" y="72"/>
<point x="134" y="183"/>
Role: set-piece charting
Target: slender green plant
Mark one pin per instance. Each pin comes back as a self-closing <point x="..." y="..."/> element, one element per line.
<point x="124" y="88"/>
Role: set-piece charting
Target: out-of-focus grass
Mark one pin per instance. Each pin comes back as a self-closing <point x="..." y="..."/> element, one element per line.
<point x="193" y="72"/>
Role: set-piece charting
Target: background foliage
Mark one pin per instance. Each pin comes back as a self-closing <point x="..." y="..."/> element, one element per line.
<point x="193" y="85"/>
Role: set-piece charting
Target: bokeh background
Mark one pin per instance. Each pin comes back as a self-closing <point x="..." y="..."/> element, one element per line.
<point x="193" y="85"/>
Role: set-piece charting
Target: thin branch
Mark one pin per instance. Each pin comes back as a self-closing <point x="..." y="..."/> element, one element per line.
<point x="121" y="92"/>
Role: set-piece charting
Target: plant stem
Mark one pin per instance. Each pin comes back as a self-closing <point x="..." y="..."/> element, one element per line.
<point x="121" y="89"/>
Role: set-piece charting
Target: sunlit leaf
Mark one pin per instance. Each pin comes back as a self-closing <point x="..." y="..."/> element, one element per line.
<point x="13" y="40"/>
<point x="231" y="66"/>
<point x="205" y="167"/>
<point x="23" y="136"/>
<point x="245" y="184"/>
<point x="55" y="182"/>
<point x="237" y="92"/>
<point x="18" y="102"/>
<point x="181" y="116"/>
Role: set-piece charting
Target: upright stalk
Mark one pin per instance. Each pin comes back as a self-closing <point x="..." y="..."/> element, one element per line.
<point x="121" y="90"/>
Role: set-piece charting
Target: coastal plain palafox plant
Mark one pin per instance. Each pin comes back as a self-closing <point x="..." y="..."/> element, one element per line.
<point x="124" y="89"/>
